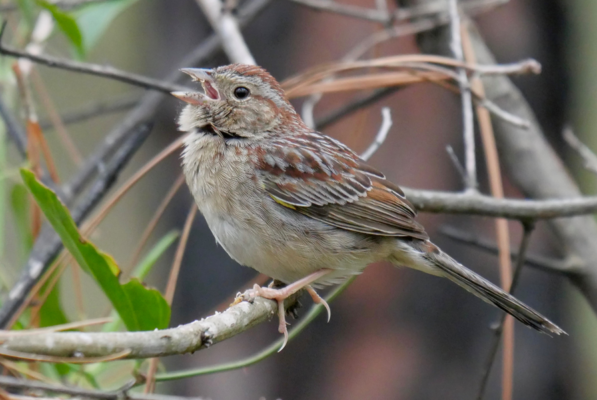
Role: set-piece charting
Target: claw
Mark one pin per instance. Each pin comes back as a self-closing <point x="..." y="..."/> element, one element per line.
<point x="281" y="294"/>
<point x="282" y="328"/>
<point x="317" y="299"/>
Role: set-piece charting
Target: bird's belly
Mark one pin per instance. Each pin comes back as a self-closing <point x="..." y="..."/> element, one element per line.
<point x="281" y="251"/>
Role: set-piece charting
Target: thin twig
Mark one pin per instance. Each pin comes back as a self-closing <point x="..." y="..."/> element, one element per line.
<point x="93" y="223"/>
<point x="226" y="26"/>
<point x="501" y="225"/>
<point x="171" y="285"/>
<point x="589" y="158"/>
<point x="467" y="101"/>
<point x="542" y="263"/>
<point x="528" y="230"/>
<point x="104" y="71"/>
<point x="64" y="327"/>
<point x="386" y="124"/>
<point x="376" y="15"/>
<point x="457" y="164"/>
<point x="341" y="112"/>
<point x="154" y="220"/>
<point x="57" y="122"/>
<point x="122" y="393"/>
<point x="97" y="109"/>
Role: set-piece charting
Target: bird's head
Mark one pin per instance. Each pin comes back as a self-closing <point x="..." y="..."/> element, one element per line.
<point x="238" y="101"/>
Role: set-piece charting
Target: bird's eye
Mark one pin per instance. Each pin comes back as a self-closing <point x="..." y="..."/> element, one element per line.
<point x="241" y="92"/>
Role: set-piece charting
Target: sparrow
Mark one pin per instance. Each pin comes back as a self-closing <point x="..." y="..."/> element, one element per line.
<point x="298" y="205"/>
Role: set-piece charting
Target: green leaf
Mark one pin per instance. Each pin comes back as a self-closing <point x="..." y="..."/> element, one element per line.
<point x="140" y="308"/>
<point x="147" y="302"/>
<point x="143" y="268"/>
<point x="67" y="24"/>
<point x="94" y="19"/>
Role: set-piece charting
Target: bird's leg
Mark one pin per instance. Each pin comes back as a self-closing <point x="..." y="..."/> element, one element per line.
<point x="283" y="293"/>
<point x="317" y="299"/>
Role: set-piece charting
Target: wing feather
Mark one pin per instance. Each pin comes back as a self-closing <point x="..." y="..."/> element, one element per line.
<point x="324" y="180"/>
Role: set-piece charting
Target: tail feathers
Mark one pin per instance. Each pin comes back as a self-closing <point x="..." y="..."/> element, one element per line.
<point x="489" y="292"/>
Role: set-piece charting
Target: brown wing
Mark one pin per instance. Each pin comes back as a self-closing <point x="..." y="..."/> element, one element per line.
<point x="323" y="179"/>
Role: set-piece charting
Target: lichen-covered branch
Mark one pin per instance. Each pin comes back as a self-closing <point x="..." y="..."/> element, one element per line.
<point x="183" y="339"/>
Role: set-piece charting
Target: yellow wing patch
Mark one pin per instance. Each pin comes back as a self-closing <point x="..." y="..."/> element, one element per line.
<point x="283" y="203"/>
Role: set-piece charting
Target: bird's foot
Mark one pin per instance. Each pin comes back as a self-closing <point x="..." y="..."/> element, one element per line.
<point x="279" y="295"/>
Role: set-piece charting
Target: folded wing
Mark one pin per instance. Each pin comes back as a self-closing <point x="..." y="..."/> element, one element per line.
<point x="323" y="179"/>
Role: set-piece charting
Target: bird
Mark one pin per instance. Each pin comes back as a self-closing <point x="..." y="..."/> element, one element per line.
<point x="297" y="205"/>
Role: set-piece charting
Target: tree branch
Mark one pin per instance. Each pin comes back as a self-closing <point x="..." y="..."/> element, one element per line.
<point x="478" y="204"/>
<point x="183" y="339"/>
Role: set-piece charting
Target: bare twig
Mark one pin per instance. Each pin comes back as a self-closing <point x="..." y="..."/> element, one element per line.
<point x="457" y="164"/>
<point x="386" y="124"/>
<point x="226" y="26"/>
<point x="105" y="71"/>
<point x="171" y="284"/>
<point x="97" y="109"/>
<point x="528" y="230"/>
<point x="64" y="327"/>
<point x="156" y="217"/>
<point x="470" y="163"/>
<point x="341" y="112"/>
<point x="57" y="122"/>
<point x="377" y="15"/>
<point x="589" y="158"/>
<point x="542" y="263"/>
<point x="370" y="14"/>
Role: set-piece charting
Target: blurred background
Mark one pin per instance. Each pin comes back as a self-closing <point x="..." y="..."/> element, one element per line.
<point x="395" y="333"/>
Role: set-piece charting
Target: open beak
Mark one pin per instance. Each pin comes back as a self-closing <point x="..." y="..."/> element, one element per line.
<point x="195" y="98"/>
<point x="205" y="77"/>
